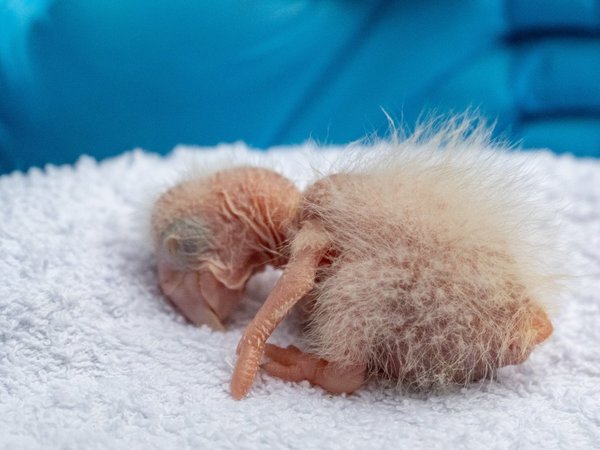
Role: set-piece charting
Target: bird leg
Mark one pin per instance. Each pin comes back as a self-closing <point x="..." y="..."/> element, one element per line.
<point x="292" y="364"/>
<point x="298" y="278"/>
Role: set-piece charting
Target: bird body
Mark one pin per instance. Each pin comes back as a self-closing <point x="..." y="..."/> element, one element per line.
<point x="431" y="283"/>
<point x="419" y="262"/>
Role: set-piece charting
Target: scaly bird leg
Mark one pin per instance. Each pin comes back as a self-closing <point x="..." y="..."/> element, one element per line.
<point x="291" y="364"/>
<point x="297" y="280"/>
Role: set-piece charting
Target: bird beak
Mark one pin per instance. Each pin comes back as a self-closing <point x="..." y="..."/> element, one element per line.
<point x="184" y="289"/>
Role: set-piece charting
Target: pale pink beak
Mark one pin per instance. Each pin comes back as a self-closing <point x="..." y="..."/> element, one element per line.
<point x="201" y="298"/>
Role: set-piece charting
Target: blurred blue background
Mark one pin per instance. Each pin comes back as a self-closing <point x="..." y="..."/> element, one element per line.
<point x="103" y="76"/>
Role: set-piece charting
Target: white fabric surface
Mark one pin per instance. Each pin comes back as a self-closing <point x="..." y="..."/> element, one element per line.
<point x="92" y="356"/>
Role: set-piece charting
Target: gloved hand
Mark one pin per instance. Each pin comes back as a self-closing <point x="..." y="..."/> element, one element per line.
<point x="100" y="77"/>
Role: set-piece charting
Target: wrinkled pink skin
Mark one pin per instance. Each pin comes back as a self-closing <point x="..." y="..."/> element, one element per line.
<point x="245" y="226"/>
<point x="199" y="295"/>
<point x="251" y="215"/>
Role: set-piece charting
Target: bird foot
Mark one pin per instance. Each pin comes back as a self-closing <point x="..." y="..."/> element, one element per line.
<point x="292" y="364"/>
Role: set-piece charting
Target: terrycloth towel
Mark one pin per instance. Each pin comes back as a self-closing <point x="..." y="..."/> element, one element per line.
<point x="92" y="356"/>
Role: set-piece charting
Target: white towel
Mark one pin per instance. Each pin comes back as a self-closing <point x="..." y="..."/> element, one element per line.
<point x="92" y="356"/>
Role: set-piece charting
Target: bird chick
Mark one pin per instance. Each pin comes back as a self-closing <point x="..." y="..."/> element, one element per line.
<point x="413" y="266"/>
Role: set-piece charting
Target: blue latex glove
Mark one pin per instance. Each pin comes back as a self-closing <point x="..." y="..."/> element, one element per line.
<point x="102" y="76"/>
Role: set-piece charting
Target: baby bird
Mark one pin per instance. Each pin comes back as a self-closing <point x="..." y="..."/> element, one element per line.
<point x="415" y="264"/>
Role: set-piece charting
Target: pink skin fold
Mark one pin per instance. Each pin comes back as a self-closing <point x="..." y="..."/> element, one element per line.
<point x="199" y="295"/>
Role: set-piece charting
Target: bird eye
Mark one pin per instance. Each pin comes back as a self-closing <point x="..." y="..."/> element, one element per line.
<point x="185" y="241"/>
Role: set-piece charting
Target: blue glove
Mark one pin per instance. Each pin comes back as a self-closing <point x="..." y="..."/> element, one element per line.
<point x="100" y="77"/>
